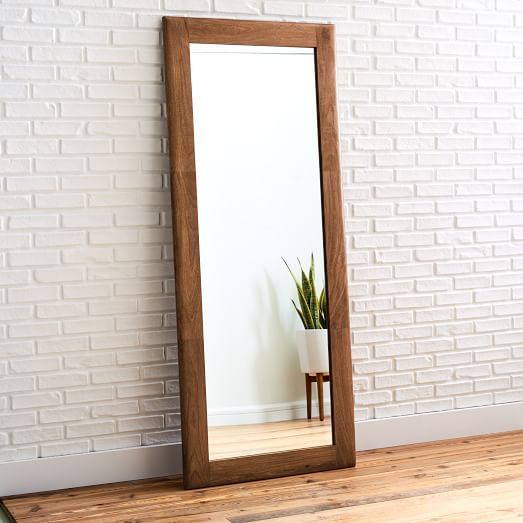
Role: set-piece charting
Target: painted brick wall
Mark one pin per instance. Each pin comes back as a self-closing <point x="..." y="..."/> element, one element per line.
<point x="430" y="98"/>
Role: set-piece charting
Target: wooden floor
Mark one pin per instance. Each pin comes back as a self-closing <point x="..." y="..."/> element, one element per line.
<point x="461" y="481"/>
<point x="230" y="441"/>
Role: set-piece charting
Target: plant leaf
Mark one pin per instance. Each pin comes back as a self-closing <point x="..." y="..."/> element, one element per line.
<point x="292" y="274"/>
<point x="314" y="305"/>
<point x="322" y="302"/>
<point x="321" y="299"/>
<point x="306" y="286"/>
<point x="305" y="309"/>
<point x="300" y="314"/>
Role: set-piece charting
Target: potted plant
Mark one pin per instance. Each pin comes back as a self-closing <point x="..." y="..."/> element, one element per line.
<point x="313" y="341"/>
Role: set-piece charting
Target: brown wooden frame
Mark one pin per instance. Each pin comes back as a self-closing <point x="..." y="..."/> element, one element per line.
<point x="199" y="471"/>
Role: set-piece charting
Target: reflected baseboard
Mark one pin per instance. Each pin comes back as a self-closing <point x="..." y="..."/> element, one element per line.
<point x="252" y="414"/>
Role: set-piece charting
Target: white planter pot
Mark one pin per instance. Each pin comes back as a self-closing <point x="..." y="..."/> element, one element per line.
<point x="313" y="350"/>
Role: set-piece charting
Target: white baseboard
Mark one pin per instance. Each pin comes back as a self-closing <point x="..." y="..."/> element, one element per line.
<point x="164" y="460"/>
<point x="93" y="468"/>
<point x="437" y="426"/>
<point x="263" y="413"/>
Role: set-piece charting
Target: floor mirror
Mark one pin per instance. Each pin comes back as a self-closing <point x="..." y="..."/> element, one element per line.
<point x="260" y="262"/>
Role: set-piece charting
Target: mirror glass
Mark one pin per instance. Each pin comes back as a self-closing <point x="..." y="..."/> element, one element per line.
<point x="259" y="210"/>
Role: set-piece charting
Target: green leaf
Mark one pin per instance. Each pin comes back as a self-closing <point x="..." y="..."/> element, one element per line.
<point x="306" y="285"/>
<point x="312" y="274"/>
<point x="314" y="305"/>
<point x="302" y="318"/>
<point x="292" y="274"/>
<point x="321" y="299"/>
<point x="305" y="309"/>
<point x="322" y="302"/>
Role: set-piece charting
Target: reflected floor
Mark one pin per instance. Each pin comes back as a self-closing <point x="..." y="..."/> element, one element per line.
<point x="261" y="438"/>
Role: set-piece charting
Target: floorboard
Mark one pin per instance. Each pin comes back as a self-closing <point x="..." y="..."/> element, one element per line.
<point x="471" y="480"/>
<point x="229" y="441"/>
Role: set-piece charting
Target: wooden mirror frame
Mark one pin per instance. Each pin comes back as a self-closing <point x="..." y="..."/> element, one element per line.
<point x="198" y="470"/>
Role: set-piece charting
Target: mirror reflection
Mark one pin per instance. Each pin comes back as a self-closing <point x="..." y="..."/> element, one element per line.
<point x="261" y="249"/>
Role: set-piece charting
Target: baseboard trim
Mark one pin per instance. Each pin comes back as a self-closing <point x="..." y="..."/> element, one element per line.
<point x="437" y="426"/>
<point x="263" y="413"/>
<point x="96" y="468"/>
<point x="93" y="468"/>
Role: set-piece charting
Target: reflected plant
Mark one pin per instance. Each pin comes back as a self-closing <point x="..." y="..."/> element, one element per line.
<point x="313" y="309"/>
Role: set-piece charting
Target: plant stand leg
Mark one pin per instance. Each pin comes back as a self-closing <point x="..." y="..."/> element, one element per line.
<point x="319" y="383"/>
<point x="308" y="390"/>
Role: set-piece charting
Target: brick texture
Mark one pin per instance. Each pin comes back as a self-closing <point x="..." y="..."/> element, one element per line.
<point x="432" y="144"/>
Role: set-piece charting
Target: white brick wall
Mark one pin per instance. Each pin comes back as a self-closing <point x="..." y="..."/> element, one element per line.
<point x="430" y="106"/>
<point x="431" y="138"/>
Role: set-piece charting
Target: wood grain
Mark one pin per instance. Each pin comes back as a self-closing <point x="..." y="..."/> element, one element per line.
<point x="198" y="470"/>
<point x="467" y="480"/>
<point x="245" y="32"/>
<point x="320" y="380"/>
<point x="229" y="441"/>
<point x="189" y="316"/>
<point x="336" y="280"/>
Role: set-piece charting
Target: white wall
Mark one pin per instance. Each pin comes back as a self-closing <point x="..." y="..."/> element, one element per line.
<point x="430" y="107"/>
<point x="257" y="165"/>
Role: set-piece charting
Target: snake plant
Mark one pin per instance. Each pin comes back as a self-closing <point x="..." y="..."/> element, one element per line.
<point x="313" y="309"/>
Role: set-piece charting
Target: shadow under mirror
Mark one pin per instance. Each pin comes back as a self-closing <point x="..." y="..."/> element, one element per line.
<point x="260" y="221"/>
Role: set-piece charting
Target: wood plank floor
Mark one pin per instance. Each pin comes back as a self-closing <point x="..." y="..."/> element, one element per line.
<point x="230" y="441"/>
<point x="473" y="480"/>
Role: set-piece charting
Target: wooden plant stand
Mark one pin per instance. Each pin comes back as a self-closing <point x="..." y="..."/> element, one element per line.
<point x="319" y="379"/>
